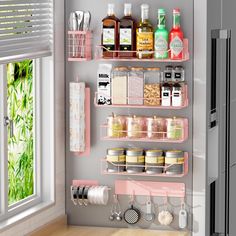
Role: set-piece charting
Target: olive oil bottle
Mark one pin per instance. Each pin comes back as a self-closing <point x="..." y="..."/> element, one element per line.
<point x="144" y="35"/>
<point x="110" y="33"/>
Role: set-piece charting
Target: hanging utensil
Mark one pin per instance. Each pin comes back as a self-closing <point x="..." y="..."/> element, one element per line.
<point x="73" y="26"/>
<point x="87" y="20"/>
<point x="132" y="215"/>
<point x="149" y="215"/>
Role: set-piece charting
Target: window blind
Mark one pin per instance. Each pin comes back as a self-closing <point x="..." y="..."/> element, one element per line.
<point x="26" y="29"/>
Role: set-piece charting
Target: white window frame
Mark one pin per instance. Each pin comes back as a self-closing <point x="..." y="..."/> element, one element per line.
<point x="44" y="132"/>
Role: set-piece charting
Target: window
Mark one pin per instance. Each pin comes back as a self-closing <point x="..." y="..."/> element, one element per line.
<point x="26" y="116"/>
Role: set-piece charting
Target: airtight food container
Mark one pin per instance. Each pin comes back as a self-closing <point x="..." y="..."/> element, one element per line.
<point x="134" y="159"/>
<point x="156" y="160"/>
<point x="174" y="159"/>
<point x="115" y="160"/>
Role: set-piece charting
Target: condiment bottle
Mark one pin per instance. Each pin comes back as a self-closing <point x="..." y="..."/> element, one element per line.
<point x="176" y="37"/>
<point x="110" y="33"/>
<point x="144" y="36"/>
<point x="127" y="33"/>
<point x="177" y="95"/>
<point x="161" y="36"/>
<point x="166" y="94"/>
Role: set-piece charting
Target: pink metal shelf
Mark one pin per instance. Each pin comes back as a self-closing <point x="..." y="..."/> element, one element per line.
<point x="99" y="55"/>
<point x="86" y="182"/>
<point x="123" y="138"/>
<point x="79" y="45"/>
<point x="185" y="103"/>
<point x="165" y="168"/>
<point x="148" y="188"/>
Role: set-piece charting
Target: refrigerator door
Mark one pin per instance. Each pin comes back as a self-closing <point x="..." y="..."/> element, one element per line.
<point x="220" y="110"/>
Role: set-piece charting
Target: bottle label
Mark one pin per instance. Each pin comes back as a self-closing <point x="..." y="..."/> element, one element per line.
<point x="108" y="37"/>
<point x="176" y="45"/>
<point x="125" y="36"/>
<point x="144" y="41"/>
<point x="161" y="45"/>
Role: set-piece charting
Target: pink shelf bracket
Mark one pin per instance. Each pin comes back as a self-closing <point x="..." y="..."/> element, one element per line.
<point x="147" y="188"/>
<point x="84" y="182"/>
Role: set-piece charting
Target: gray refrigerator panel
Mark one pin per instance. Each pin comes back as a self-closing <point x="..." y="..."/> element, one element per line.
<point x="89" y="167"/>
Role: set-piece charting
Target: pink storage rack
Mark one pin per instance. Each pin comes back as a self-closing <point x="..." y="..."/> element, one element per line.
<point x="148" y="188"/>
<point x="185" y="103"/>
<point x="124" y="173"/>
<point x="105" y="127"/>
<point x="81" y="182"/>
<point x="79" y="45"/>
<point x="99" y="55"/>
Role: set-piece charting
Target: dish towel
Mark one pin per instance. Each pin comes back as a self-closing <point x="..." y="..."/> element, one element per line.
<point x="77" y="117"/>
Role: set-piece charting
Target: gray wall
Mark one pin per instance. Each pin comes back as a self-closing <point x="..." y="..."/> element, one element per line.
<point x="89" y="167"/>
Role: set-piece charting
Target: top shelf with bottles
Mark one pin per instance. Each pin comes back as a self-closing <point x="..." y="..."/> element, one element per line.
<point x="114" y="55"/>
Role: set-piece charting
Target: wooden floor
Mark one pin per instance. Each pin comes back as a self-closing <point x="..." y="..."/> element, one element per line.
<point x="90" y="231"/>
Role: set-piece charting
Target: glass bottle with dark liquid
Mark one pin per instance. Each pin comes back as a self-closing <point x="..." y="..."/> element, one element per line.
<point x="110" y="33"/>
<point x="127" y="33"/>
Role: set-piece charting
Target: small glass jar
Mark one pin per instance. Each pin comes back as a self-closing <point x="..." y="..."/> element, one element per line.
<point x="156" y="128"/>
<point x="135" y="86"/>
<point x="166" y="93"/>
<point x="116" y="126"/>
<point x="152" y="90"/>
<point x="168" y="74"/>
<point x="119" y="85"/>
<point x="177" y="95"/>
<point x="175" y="128"/>
<point x="154" y="158"/>
<point x="134" y="156"/>
<point x="175" y="158"/>
<point x="179" y="74"/>
<point x="115" y="160"/>
<point x="135" y="127"/>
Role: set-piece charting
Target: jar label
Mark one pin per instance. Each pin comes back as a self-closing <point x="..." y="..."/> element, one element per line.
<point x="116" y="158"/>
<point x="154" y="160"/>
<point x="108" y="36"/>
<point x="144" y="41"/>
<point x="174" y="160"/>
<point x="135" y="159"/>
<point x="125" y="36"/>
<point x="176" y="45"/>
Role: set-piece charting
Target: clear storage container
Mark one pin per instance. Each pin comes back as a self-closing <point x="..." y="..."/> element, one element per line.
<point x="175" y="128"/>
<point x="116" y="126"/>
<point x="135" y="86"/>
<point x="119" y="85"/>
<point x="152" y="90"/>
<point x="136" y="127"/>
<point x="156" y="128"/>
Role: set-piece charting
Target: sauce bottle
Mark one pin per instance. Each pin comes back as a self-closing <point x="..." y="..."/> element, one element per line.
<point x="161" y="36"/>
<point x="176" y="37"/>
<point x="144" y="35"/>
<point x="110" y="33"/>
<point x="127" y="33"/>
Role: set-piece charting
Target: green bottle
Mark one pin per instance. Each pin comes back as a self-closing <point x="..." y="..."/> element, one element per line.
<point x="161" y="36"/>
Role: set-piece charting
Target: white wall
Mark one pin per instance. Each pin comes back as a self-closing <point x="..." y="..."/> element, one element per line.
<point x="58" y="209"/>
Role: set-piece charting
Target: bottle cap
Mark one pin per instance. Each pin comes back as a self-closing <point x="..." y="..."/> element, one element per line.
<point x="111" y="7"/>
<point x="161" y="11"/>
<point x="127" y="9"/>
<point x="176" y="11"/>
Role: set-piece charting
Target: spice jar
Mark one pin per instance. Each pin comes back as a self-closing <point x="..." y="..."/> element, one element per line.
<point x="135" y="86"/>
<point x="116" y="126"/>
<point x="119" y="85"/>
<point x="154" y="159"/>
<point x="156" y="128"/>
<point x="135" y="157"/>
<point x="168" y="74"/>
<point x="135" y="127"/>
<point x="177" y="95"/>
<point x="175" y="158"/>
<point x="178" y="74"/>
<point x="152" y="90"/>
<point x="115" y="160"/>
<point x="175" y="128"/>
<point x="166" y="95"/>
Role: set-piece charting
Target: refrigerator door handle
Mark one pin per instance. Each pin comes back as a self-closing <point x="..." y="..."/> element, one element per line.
<point x="225" y="35"/>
